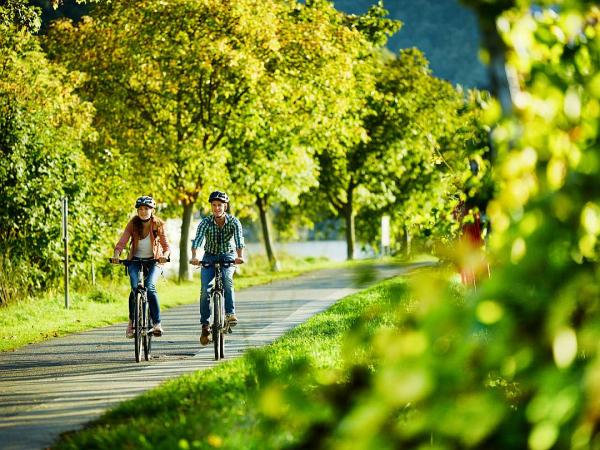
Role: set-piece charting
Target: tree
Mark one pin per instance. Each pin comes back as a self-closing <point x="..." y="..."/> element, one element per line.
<point x="303" y="99"/>
<point x="494" y="47"/>
<point x="169" y="79"/>
<point x="425" y="139"/>
<point x="43" y="125"/>
<point x="412" y="153"/>
<point x="342" y="156"/>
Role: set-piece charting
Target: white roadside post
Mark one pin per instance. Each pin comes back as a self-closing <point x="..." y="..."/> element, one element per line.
<point x="385" y="235"/>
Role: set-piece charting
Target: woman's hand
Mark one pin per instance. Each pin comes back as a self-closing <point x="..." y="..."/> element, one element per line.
<point x="163" y="259"/>
<point x="114" y="260"/>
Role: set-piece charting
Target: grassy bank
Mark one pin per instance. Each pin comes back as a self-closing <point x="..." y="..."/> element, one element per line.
<point x="38" y="319"/>
<point x="232" y="405"/>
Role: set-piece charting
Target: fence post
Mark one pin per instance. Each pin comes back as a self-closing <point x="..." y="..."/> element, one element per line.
<point x="65" y="237"/>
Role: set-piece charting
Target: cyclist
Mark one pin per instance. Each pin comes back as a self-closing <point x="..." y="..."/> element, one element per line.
<point x="148" y="243"/>
<point x="217" y="230"/>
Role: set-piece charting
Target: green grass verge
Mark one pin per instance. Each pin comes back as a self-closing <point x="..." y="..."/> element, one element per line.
<point x="227" y="406"/>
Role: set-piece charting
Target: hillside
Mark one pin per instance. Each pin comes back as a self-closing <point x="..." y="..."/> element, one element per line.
<point x="444" y="30"/>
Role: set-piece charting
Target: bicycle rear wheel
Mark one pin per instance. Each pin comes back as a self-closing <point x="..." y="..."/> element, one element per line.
<point x="217" y="324"/>
<point x="147" y="336"/>
<point x="137" y="326"/>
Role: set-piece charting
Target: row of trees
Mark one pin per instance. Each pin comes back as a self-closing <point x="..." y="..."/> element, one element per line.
<point x="302" y="110"/>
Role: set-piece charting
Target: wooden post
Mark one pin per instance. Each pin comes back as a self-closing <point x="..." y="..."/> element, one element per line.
<point x="93" y="271"/>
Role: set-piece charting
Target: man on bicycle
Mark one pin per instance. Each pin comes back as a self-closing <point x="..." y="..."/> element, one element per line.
<point x="217" y="230"/>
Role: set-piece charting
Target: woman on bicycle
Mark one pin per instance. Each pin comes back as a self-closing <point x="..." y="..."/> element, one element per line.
<point x="148" y="242"/>
<point x="217" y="231"/>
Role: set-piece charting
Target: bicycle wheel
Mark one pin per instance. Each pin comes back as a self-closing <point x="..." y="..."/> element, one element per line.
<point x="222" y="343"/>
<point x="137" y="326"/>
<point x="147" y="336"/>
<point x="217" y="323"/>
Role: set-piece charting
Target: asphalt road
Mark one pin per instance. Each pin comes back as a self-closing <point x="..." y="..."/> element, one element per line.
<point x="59" y="385"/>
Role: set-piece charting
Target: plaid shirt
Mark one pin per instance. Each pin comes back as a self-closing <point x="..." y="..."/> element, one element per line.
<point x="218" y="239"/>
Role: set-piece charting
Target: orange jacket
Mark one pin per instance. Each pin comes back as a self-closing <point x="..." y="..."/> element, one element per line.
<point x="156" y="231"/>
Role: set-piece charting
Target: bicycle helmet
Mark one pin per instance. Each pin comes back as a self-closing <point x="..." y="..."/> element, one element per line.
<point x="218" y="195"/>
<point x="145" y="200"/>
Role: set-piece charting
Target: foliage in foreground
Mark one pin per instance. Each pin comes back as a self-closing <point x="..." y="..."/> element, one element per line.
<point x="547" y="222"/>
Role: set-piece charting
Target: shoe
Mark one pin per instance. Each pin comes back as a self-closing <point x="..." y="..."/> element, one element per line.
<point x="205" y="336"/>
<point x="129" y="332"/>
<point x="231" y="319"/>
<point x="157" y="330"/>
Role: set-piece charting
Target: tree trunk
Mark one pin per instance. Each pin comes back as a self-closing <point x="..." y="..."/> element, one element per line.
<point x="264" y="222"/>
<point x="184" y="268"/>
<point x="502" y="85"/>
<point x="349" y="217"/>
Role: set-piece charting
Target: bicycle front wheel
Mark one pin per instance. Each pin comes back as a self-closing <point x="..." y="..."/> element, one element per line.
<point x="137" y="326"/>
<point x="147" y="335"/>
<point x="217" y="324"/>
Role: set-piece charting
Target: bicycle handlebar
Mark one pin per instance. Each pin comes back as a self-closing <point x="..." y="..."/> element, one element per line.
<point x="223" y="263"/>
<point x="127" y="262"/>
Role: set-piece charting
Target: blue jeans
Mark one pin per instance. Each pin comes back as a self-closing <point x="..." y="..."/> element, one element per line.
<point x="207" y="279"/>
<point x="150" y="284"/>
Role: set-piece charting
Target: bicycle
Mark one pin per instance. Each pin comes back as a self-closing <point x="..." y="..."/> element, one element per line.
<point x="220" y="325"/>
<point x="142" y="326"/>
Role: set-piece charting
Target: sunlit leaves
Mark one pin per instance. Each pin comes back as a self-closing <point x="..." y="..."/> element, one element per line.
<point x="43" y="125"/>
<point x="546" y="214"/>
<point x="21" y="14"/>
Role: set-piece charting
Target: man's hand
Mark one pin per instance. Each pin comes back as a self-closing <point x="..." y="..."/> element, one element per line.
<point x="239" y="260"/>
<point x="114" y="260"/>
<point x="195" y="262"/>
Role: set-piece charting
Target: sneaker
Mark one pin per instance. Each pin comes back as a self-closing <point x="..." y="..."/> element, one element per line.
<point x="129" y="332"/>
<point x="205" y="336"/>
<point x="157" y="330"/>
<point x="231" y="319"/>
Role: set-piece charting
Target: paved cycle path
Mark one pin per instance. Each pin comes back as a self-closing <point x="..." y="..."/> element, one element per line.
<point x="59" y="385"/>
